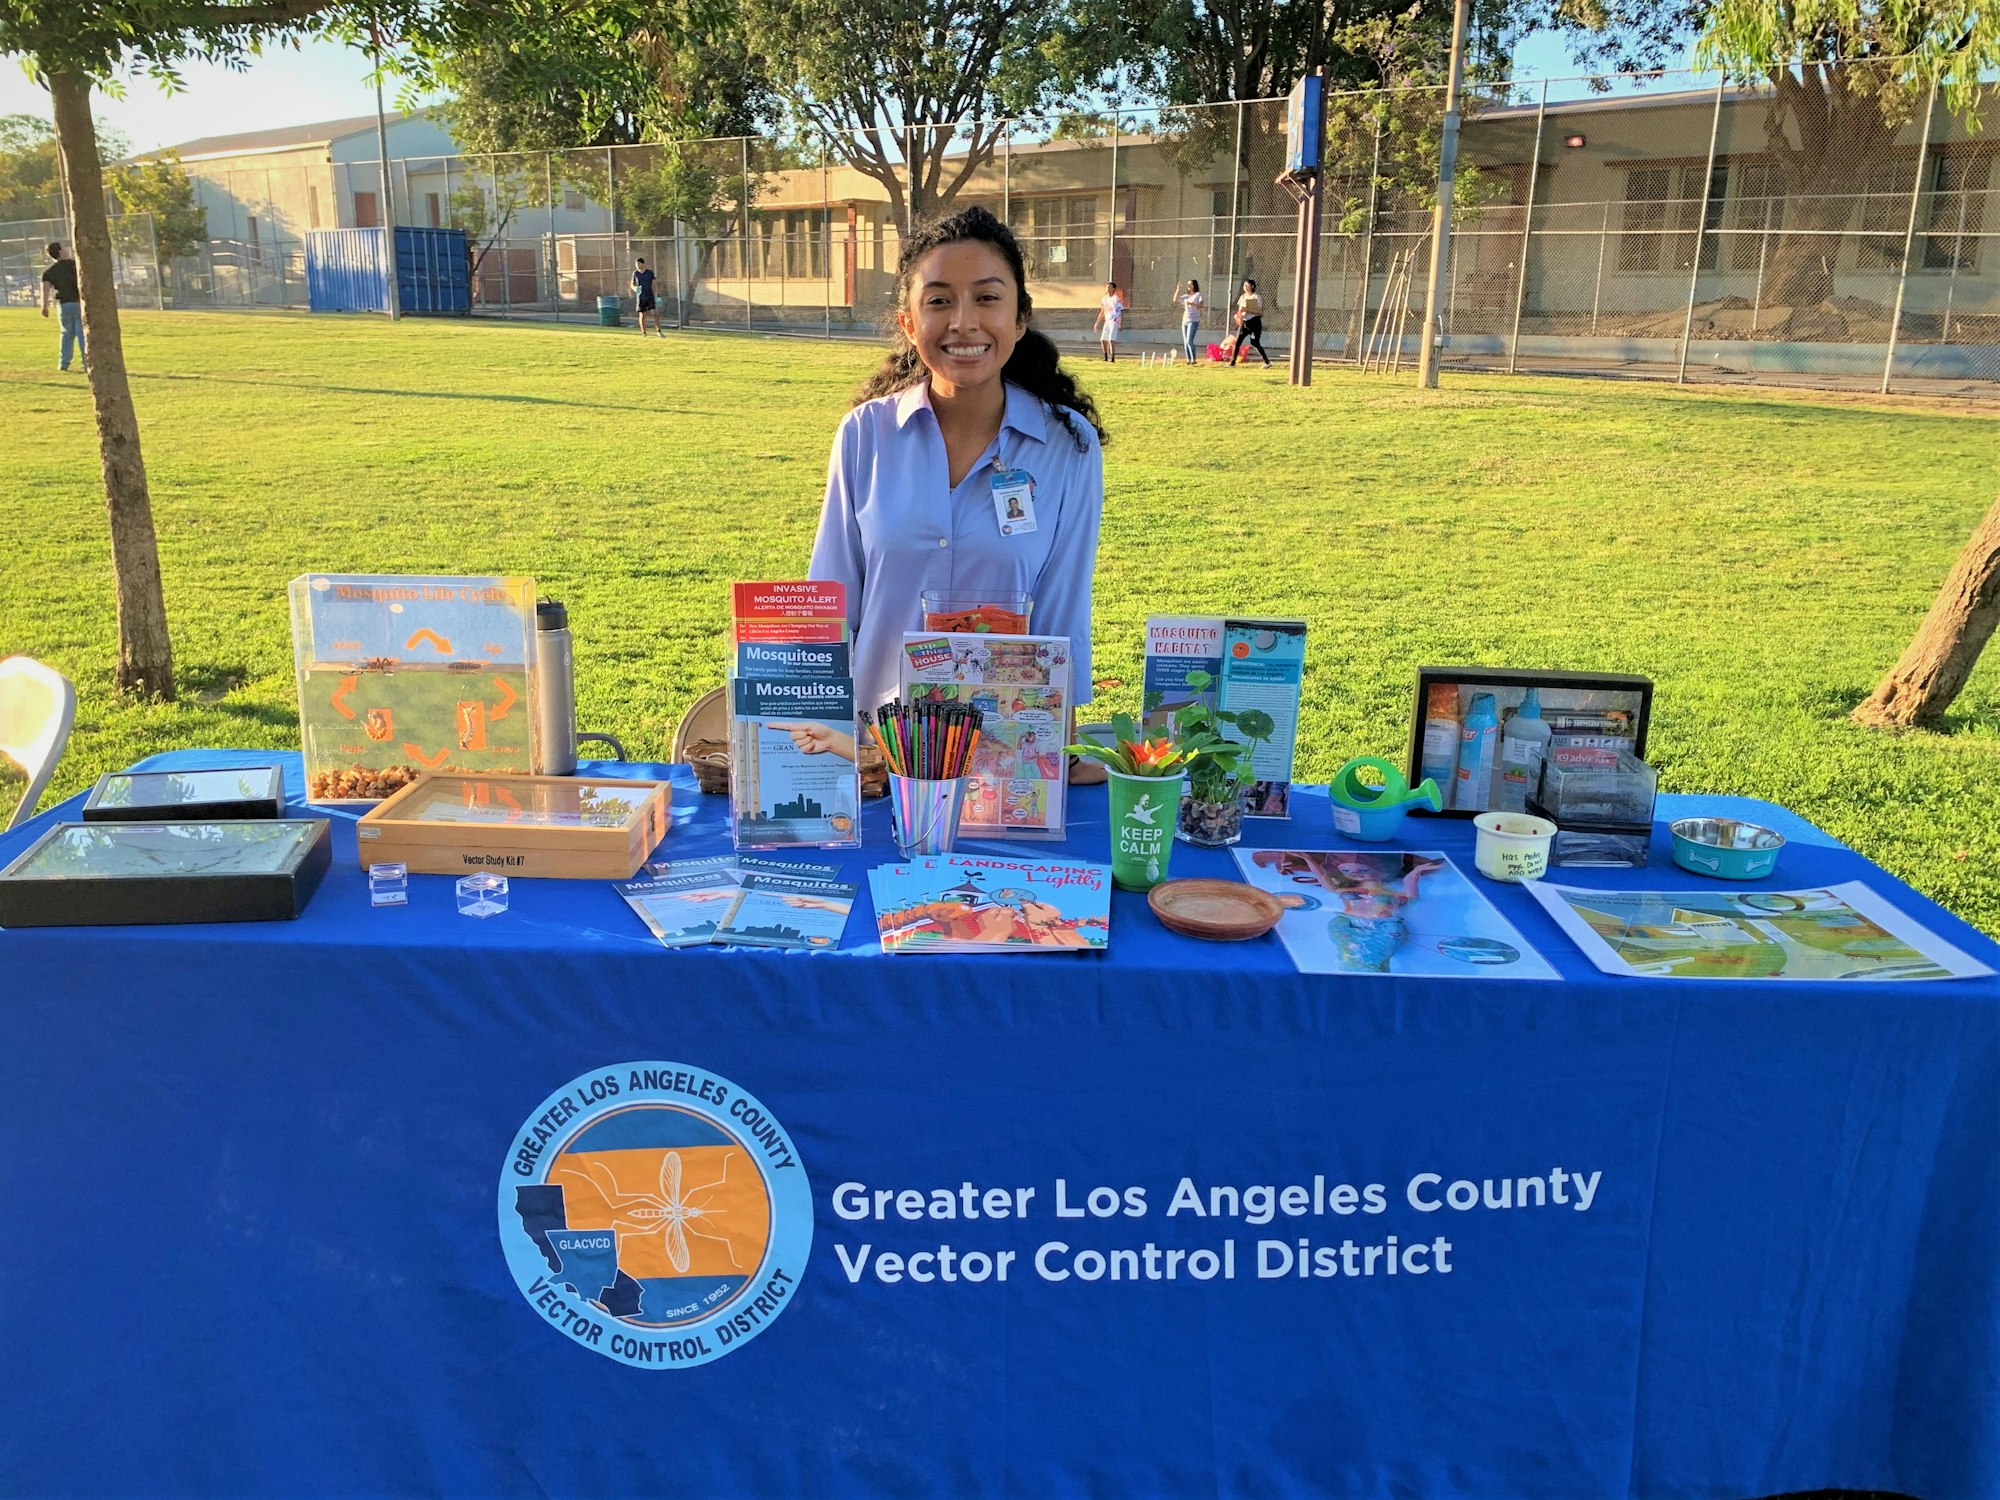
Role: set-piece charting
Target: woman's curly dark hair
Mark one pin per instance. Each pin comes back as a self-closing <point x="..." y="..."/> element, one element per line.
<point x="1035" y="366"/>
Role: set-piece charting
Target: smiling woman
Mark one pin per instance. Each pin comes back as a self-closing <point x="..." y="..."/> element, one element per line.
<point x="970" y="463"/>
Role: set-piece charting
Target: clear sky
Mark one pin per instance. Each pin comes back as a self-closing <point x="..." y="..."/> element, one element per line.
<point x="326" y="81"/>
<point x="320" y="81"/>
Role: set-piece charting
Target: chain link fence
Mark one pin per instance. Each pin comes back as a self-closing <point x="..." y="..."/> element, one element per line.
<point x="1821" y="227"/>
<point x="24" y="254"/>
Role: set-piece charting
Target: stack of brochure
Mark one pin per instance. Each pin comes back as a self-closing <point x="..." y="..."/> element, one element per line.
<point x="793" y="779"/>
<point x="752" y="902"/>
<point x="970" y="903"/>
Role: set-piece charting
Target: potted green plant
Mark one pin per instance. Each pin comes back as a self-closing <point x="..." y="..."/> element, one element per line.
<point x="1211" y="810"/>
<point x="1142" y="765"/>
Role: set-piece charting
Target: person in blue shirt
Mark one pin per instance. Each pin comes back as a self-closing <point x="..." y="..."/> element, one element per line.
<point x="970" y="462"/>
<point x="642" y="294"/>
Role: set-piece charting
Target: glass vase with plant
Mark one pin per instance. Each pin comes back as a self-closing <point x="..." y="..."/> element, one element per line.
<point x="1211" y="811"/>
<point x="1191" y="745"/>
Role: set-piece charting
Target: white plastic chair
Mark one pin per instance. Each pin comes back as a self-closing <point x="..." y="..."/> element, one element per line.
<point x="37" y="709"/>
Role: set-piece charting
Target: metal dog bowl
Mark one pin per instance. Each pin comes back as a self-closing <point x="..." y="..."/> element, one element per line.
<point x="1727" y="848"/>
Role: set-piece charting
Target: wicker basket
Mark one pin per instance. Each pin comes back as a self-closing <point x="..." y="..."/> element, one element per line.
<point x="710" y="759"/>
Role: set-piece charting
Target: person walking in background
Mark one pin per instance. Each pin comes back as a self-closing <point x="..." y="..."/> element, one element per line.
<point x="1110" y="315"/>
<point x="59" y="285"/>
<point x="1249" y="323"/>
<point x="642" y="294"/>
<point x="1188" y="294"/>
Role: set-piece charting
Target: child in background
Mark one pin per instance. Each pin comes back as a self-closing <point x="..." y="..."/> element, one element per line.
<point x="1110" y="316"/>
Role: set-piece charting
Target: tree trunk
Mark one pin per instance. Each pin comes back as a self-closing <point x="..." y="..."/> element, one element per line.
<point x="1842" y="131"/>
<point x="1818" y="213"/>
<point x="145" y="654"/>
<point x="1961" y="620"/>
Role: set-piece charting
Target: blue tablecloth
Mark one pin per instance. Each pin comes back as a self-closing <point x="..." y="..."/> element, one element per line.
<point x="250" y="1241"/>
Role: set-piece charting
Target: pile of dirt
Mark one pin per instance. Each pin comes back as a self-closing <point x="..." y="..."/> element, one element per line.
<point x="1836" y="320"/>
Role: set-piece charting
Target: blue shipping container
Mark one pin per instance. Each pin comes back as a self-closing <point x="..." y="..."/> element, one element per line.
<point x="344" y="271"/>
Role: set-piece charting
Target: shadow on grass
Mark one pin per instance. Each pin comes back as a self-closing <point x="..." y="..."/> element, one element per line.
<point x="275" y="715"/>
<point x="651" y="408"/>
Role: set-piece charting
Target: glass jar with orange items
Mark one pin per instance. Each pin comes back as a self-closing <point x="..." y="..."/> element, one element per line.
<point x="994" y="612"/>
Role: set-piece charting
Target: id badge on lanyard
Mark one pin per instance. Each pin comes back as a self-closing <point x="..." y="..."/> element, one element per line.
<point x="1013" y="500"/>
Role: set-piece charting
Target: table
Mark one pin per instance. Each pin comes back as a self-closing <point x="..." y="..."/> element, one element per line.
<point x="253" y="1243"/>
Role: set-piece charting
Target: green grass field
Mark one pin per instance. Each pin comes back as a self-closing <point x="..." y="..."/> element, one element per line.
<point x="1763" y="556"/>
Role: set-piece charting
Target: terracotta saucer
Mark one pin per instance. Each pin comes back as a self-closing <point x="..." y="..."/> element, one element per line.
<point x="1223" y="911"/>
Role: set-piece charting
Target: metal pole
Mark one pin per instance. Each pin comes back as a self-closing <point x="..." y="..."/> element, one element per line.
<point x="1527" y="219"/>
<point x="611" y="200"/>
<point x="388" y="213"/>
<point x="1007" y="174"/>
<point x="1763" y="248"/>
<point x="1111" y="242"/>
<point x="159" y="277"/>
<point x="1909" y="237"/>
<point x="744" y="219"/>
<point x="1957" y="255"/>
<point x="551" y="261"/>
<point x="680" y="297"/>
<point x="1235" y="195"/>
<point x="1451" y="302"/>
<point x="1597" y="291"/>
<point x="826" y="239"/>
<point x="1427" y="355"/>
<point x="1700" y="229"/>
<point x="1305" y="292"/>
<point x="500" y="243"/>
<point x="1368" y="235"/>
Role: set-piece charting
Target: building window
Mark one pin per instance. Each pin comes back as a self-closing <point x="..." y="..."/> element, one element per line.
<point x="1957" y="213"/>
<point x="250" y="238"/>
<point x="1760" y="213"/>
<point x="435" y="209"/>
<point x="572" y="201"/>
<point x="312" y="207"/>
<point x="364" y="211"/>
<point x="1885" y="214"/>
<point x="1663" y="226"/>
<point x="1081" y="262"/>
<point x="1640" y="241"/>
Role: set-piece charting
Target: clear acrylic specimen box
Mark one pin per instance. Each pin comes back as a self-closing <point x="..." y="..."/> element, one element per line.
<point x="401" y="676"/>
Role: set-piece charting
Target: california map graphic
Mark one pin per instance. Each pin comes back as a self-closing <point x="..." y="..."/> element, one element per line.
<point x="655" y="1213"/>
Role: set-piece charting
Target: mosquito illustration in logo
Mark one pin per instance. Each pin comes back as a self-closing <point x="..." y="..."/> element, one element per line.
<point x="673" y="1210"/>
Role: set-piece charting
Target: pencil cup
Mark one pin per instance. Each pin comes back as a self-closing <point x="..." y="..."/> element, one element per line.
<point x="925" y="813"/>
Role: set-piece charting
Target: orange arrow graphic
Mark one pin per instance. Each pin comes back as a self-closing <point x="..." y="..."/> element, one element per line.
<point x="433" y="761"/>
<point x="428" y="635"/>
<point x="347" y="685"/>
<point x="508" y="797"/>
<point x="508" y="698"/>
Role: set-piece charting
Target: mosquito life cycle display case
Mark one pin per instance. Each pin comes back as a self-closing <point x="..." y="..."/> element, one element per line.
<point x="552" y="826"/>
<point x="133" y="874"/>
<point x="186" y="796"/>
<point x="400" y="676"/>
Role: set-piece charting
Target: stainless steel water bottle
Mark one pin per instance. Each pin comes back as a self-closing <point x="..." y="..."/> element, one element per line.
<point x="556" y="701"/>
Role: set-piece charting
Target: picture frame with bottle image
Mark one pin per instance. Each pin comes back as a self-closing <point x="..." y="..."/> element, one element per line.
<point x="1482" y="732"/>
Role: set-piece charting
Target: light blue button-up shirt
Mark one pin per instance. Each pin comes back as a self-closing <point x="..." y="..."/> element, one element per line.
<point x="893" y="526"/>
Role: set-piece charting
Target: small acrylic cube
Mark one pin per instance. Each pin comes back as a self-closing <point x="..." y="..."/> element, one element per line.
<point x="389" y="884"/>
<point x="482" y="895"/>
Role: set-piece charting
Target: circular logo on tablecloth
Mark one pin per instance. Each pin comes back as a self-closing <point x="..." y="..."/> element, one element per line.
<point x="656" y="1213"/>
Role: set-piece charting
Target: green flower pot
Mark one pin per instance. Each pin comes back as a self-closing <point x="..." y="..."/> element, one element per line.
<point x="1143" y="809"/>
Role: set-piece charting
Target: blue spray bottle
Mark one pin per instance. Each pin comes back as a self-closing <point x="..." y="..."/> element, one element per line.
<point x="1479" y="743"/>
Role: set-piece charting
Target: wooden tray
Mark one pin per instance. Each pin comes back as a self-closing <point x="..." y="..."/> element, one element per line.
<point x="1222" y="911"/>
<point x="563" y="827"/>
